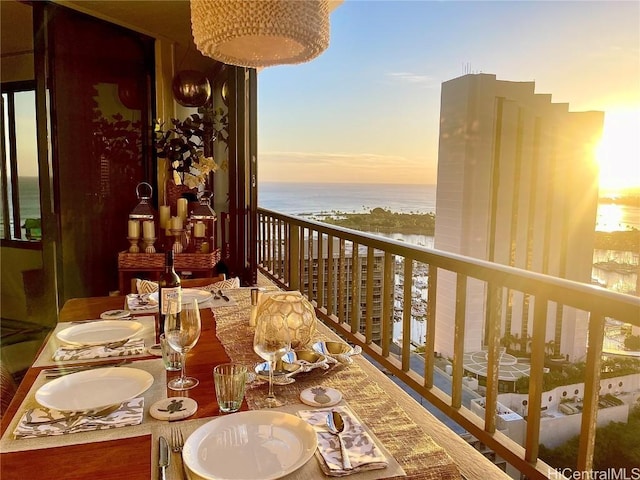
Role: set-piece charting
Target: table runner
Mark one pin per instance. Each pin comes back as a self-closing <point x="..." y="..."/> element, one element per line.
<point x="420" y="457"/>
<point x="45" y="358"/>
<point x="156" y="392"/>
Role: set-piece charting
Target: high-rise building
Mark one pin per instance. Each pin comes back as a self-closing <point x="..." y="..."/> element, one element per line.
<point x="517" y="185"/>
<point x="347" y="276"/>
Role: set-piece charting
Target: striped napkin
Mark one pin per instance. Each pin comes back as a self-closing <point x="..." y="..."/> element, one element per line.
<point x="132" y="347"/>
<point x="43" y="422"/>
<point x="363" y="452"/>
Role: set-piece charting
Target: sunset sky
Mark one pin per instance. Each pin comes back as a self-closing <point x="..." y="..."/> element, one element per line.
<point x="367" y="109"/>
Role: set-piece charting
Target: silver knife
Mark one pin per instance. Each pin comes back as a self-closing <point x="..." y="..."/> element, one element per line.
<point x="164" y="459"/>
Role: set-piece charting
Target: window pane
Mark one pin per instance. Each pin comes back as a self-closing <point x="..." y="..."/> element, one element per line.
<point x="26" y="147"/>
<point x="25" y="179"/>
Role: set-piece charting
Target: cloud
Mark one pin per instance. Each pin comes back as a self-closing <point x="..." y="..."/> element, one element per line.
<point x="352" y="167"/>
<point x="413" y="78"/>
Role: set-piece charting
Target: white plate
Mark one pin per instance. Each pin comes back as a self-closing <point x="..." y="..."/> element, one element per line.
<point x="94" y="389"/>
<point x="255" y="445"/>
<point x="103" y="331"/>
<point x="188" y="294"/>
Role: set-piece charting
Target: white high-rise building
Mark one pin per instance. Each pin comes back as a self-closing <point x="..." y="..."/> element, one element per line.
<point x="517" y="185"/>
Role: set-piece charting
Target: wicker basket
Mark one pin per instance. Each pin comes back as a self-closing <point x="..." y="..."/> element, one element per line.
<point x="182" y="261"/>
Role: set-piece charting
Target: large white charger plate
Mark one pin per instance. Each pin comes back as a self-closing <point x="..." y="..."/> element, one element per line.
<point x="254" y="445"/>
<point x="99" y="332"/>
<point x="188" y="294"/>
<point x="94" y="389"/>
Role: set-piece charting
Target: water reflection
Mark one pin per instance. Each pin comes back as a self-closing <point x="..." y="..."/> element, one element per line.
<point x="612" y="217"/>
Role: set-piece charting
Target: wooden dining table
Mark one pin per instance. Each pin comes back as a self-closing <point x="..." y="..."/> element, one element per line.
<point x="131" y="457"/>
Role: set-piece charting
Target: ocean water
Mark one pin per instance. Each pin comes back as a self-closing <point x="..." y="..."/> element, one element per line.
<point x="307" y="199"/>
<point x="317" y="198"/>
<point x="29" y="197"/>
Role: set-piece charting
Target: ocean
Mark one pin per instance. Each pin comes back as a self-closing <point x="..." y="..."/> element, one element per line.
<point x="308" y="199"/>
<point x="317" y="198"/>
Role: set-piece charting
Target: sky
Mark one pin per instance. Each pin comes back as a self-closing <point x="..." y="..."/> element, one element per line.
<point x="367" y="109"/>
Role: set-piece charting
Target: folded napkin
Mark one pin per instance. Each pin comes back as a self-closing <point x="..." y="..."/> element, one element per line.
<point x="363" y="452"/>
<point x="43" y="422"/>
<point x="141" y="303"/>
<point x="132" y="347"/>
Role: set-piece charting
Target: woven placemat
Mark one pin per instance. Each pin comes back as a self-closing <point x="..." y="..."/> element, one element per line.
<point x="156" y="392"/>
<point x="45" y="359"/>
<point x="417" y="453"/>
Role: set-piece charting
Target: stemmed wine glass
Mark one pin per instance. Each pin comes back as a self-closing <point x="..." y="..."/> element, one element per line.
<point x="271" y="340"/>
<point x="182" y="331"/>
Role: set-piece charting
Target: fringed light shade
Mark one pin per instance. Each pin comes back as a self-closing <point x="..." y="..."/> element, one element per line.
<point x="260" y="33"/>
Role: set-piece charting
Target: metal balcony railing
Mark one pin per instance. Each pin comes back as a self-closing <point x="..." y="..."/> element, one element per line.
<point x="291" y="247"/>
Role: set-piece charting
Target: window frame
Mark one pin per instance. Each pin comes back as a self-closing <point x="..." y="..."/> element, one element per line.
<point x="12" y="237"/>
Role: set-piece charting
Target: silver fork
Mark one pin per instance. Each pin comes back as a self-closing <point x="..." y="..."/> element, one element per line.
<point x="107" y="346"/>
<point x="177" y="443"/>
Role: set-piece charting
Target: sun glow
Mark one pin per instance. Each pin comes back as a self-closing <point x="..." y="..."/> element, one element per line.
<point x="618" y="153"/>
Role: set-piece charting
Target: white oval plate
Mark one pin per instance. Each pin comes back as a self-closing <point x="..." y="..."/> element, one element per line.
<point x="102" y="331"/>
<point x="189" y="294"/>
<point x="94" y="389"/>
<point x="254" y="445"/>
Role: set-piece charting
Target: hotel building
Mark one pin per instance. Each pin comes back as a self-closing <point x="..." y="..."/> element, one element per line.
<point x="517" y="185"/>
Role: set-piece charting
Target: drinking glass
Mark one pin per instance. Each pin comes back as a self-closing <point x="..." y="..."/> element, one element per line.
<point x="271" y="340"/>
<point x="182" y="331"/>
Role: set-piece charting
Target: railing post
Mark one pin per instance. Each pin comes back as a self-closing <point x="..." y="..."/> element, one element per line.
<point x="387" y="304"/>
<point x="458" y="341"/>
<point x="430" y="340"/>
<point x="494" y="301"/>
<point x="591" y="393"/>
<point x="406" y="314"/>
<point x="355" y="288"/>
<point x="369" y="297"/>
<point x="294" y="257"/>
<point x="535" y="378"/>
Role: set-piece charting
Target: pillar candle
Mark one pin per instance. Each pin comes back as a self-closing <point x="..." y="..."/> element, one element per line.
<point x="204" y="248"/>
<point x="148" y="229"/>
<point x="182" y="208"/>
<point x="165" y="214"/>
<point x="198" y="230"/>
<point x="134" y="229"/>
<point x="176" y="223"/>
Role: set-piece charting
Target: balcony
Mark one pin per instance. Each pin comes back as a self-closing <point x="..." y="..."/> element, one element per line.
<point x="288" y="248"/>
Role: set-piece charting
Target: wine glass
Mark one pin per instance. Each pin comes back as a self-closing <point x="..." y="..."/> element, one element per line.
<point x="271" y="340"/>
<point x="182" y="331"/>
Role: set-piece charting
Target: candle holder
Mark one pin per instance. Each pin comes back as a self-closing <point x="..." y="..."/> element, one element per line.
<point x="197" y="244"/>
<point x="134" y="245"/>
<point x="177" y="243"/>
<point x="148" y="245"/>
